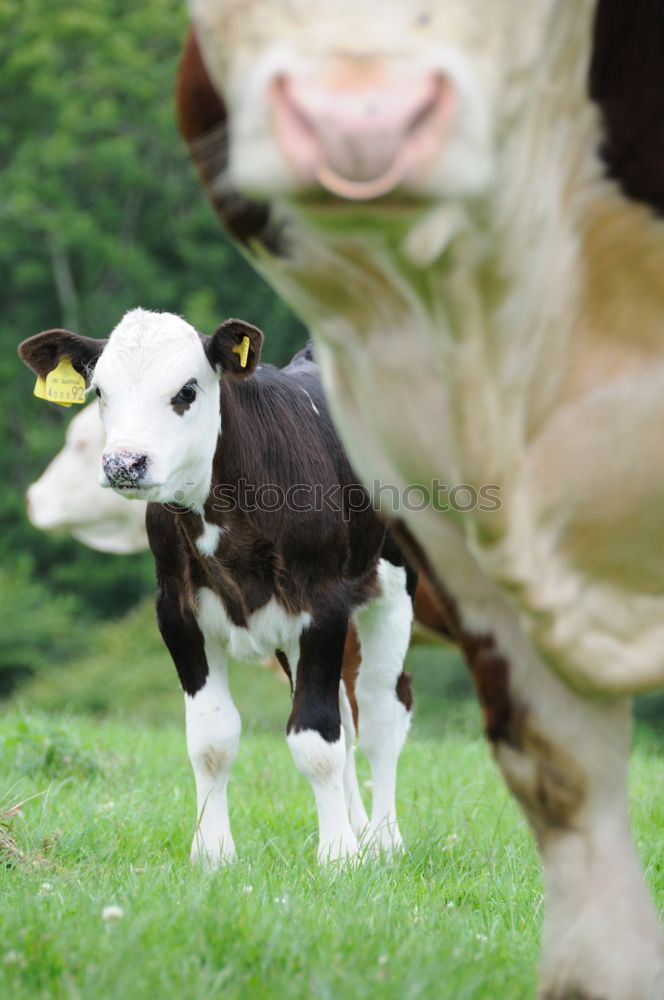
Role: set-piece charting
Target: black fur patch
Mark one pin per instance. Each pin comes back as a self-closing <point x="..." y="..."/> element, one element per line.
<point x="627" y="82"/>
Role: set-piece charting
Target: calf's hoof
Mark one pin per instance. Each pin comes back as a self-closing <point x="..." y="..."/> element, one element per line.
<point x="384" y="841"/>
<point x="210" y="856"/>
<point x="342" y="850"/>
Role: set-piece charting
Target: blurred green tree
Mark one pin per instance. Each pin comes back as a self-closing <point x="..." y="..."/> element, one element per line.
<point x="100" y="211"/>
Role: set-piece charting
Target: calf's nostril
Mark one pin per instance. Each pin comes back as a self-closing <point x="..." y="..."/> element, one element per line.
<point x="124" y="469"/>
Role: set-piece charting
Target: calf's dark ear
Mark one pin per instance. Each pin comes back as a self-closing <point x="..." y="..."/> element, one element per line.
<point x="43" y="352"/>
<point x="235" y="348"/>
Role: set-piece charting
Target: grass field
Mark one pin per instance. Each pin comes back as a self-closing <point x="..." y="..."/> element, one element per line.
<point x="108" y="816"/>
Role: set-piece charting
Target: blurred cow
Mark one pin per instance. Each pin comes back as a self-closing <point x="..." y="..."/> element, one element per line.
<point x="67" y="496"/>
<point x="461" y="199"/>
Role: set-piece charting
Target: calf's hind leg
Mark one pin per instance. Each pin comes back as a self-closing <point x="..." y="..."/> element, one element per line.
<point x="359" y="820"/>
<point x="316" y="736"/>
<point x="383" y="696"/>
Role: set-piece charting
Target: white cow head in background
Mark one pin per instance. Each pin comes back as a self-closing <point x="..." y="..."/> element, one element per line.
<point x="68" y="497"/>
<point x="157" y="381"/>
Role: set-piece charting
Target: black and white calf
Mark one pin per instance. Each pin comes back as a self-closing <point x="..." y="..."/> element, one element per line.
<point x="188" y="426"/>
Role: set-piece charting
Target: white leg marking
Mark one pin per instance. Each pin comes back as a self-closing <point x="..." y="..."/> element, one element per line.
<point x="213" y="736"/>
<point x="323" y="764"/>
<point x="384" y="631"/>
<point x="359" y="820"/>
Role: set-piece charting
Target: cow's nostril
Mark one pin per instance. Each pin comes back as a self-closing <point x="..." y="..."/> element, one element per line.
<point x="139" y="464"/>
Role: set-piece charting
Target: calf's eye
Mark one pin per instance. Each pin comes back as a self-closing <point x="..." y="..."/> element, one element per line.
<point x="182" y="399"/>
<point x="97" y="391"/>
<point x="187" y="393"/>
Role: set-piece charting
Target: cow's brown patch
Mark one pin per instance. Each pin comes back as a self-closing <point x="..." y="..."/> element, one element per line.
<point x="404" y="690"/>
<point x="202" y="120"/>
<point x="285" y="666"/>
<point x="545" y="779"/>
<point x="488" y="667"/>
<point x="350" y="670"/>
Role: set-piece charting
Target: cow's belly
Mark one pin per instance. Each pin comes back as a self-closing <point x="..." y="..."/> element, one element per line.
<point x="576" y="547"/>
<point x="269" y="628"/>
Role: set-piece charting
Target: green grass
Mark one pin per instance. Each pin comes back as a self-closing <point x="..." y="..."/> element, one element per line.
<point x="109" y="817"/>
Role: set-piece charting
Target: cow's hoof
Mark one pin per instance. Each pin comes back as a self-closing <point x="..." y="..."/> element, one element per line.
<point x="342" y="851"/>
<point x="383" y="842"/>
<point x="211" y="858"/>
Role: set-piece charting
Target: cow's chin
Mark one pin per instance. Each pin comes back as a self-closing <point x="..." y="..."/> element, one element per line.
<point x="464" y="174"/>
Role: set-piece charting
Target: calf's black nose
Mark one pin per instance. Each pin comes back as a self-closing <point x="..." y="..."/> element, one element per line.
<point x="124" y="469"/>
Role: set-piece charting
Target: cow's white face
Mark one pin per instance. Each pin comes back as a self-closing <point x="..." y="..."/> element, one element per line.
<point x="365" y="98"/>
<point x="159" y="404"/>
<point x="67" y="496"/>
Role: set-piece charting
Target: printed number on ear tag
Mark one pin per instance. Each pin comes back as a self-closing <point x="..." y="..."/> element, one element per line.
<point x="242" y="350"/>
<point x="63" y="385"/>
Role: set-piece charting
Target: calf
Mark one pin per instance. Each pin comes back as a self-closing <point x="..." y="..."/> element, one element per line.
<point x="197" y="428"/>
<point x="461" y="198"/>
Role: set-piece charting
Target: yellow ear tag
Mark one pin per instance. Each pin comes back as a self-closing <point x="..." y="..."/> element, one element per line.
<point x="242" y="350"/>
<point x="63" y="385"/>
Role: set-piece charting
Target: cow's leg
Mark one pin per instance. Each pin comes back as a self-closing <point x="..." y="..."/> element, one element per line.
<point x="383" y="696"/>
<point x="212" y="724"/>
<point x="565" y="758"/>
<point x="359" y="820"/>
<point x="315" y="734"/>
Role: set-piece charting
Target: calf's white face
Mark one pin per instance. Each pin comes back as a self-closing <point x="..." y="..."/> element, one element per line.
<point x="159" y="404"/>
<point x="364" y="98"/>
<point x="157" y="381"/>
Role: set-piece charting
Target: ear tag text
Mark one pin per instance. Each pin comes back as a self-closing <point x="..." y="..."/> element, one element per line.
<point x="63" y="385"/>
<point x="242" y="350"/>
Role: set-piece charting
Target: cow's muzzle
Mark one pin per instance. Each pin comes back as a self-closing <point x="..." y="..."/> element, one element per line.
<point x="358" y="135"/>
<point x="125" y="470"/>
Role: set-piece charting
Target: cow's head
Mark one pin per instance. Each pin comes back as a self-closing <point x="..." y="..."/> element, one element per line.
<point x="67" y="496"/>
<point x="157" y="380"/>
<point x="366" y="98"/>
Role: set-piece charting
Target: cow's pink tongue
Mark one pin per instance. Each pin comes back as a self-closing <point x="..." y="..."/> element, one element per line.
<point x="358" y="142"/>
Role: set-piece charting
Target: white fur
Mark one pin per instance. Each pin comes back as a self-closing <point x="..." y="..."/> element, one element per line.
<point x="149" y="357"/>
<point x="67" y="495"/>
<point x="323" y="764"/>
<point x="313" y="405"/>
<point x="208" y="540"/>
<point x="267" y="629"/>
<point x="383" y="628"/>
<point x="213" y="736"/>
<point x="357" y="814"/>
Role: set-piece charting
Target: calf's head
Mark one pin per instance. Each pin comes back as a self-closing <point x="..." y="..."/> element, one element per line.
<point x="158" y="383"/>
<point x="365" y="98"/>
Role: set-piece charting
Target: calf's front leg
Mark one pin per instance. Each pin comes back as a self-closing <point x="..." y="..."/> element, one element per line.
<point x="315" y="734"/>
<point x="212" y="726"/>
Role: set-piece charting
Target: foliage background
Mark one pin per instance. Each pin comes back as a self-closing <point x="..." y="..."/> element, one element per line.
<point x="100" y="211"/>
